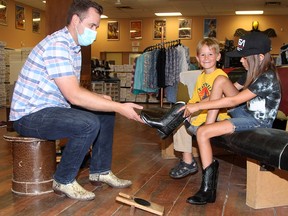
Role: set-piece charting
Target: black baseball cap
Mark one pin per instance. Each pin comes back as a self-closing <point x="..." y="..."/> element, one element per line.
<point x="253" y="43"/>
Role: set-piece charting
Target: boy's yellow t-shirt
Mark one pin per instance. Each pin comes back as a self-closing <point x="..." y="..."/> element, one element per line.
<point x="201" y="91"/>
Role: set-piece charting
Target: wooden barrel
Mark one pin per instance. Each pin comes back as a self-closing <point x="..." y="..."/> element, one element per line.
<point x="34" y="163"/>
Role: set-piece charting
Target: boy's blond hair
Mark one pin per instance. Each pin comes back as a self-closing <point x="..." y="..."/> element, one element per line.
<point x="212" y="43"/>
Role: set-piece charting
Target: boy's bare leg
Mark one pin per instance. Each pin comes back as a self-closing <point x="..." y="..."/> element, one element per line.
<point x="222" y="86"/>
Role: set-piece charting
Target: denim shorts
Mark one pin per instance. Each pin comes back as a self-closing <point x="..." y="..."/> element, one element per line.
<point x="243" y="120"/>
<point x="191" y="129"/>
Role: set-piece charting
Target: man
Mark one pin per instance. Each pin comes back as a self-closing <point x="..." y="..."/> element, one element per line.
<point x="47" y="87"/>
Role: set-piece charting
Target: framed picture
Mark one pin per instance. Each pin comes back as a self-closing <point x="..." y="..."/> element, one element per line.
<point x="19" y="17"/>
<point x="113" y="31"/>
<point x="210" y="27"/>
<point x="158" y="27"/>
<point x="184" y="28"/>
<point x="136" y="29"/>
<point x="3" y="12"/>
<point x="36" y="19"/>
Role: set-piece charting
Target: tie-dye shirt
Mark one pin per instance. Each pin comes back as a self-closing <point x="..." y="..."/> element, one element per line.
<point x="265" y="105"/>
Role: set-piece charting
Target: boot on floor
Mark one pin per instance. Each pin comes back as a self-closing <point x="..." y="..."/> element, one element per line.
<point x="207" y="192"/>
<point x="168" y="122"/>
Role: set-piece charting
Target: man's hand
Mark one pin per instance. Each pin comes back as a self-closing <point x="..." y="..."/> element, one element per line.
<point x="106" y="97"/>
<point x="129" y="112"/>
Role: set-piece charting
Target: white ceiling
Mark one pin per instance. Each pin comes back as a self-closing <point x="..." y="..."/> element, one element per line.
<point x="147" y="8"/>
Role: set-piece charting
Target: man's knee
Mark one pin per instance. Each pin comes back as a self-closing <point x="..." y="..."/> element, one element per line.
<point x="88" y="121"/>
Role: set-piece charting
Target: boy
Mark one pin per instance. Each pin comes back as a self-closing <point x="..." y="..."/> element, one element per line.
<point x="208" y="53"/>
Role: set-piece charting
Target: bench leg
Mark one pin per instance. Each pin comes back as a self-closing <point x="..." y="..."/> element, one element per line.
<point x="167" y="149"/>
<point x="266" y="189"/>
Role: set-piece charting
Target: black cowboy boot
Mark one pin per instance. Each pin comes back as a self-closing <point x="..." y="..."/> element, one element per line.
<point x="168" y="122"/>
<point x="207" y="192"/>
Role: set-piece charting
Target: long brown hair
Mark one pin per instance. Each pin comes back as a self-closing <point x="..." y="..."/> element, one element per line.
<point x="257" y="67"/>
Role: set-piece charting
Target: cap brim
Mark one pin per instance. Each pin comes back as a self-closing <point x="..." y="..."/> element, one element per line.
<point x="234" y="53"/>
<point x="244" y="53"/>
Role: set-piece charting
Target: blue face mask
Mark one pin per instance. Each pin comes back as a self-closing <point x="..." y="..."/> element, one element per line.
<point x="87" y="38"/>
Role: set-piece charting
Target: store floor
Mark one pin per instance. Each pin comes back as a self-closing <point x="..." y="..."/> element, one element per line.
<point x="136" y="156"/>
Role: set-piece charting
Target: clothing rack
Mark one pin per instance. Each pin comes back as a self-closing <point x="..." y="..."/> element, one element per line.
<point x="163" y="45"/>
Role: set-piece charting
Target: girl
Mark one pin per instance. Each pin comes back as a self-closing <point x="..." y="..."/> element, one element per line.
<point x="260" y="94"/>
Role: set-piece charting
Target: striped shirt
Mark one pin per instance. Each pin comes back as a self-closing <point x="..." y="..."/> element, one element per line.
<point x="55" y="56"/>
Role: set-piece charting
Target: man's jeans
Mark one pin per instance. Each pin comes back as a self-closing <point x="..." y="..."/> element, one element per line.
<point x="82" y="128"/>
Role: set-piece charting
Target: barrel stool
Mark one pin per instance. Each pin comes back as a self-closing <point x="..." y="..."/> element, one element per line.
<point x="34" y="163"/>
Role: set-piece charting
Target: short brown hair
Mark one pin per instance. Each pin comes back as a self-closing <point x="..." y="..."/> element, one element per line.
<point x="80" y="7"/>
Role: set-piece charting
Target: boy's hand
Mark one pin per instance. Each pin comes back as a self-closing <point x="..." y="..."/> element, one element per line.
<point x="190" y="109"/>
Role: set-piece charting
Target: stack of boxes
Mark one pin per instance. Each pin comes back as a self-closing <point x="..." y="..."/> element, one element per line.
<point x="124" y="73"/>
<point x="3" y="72"/>
<point x="11" y="62"/>
<point x="107" y="87"/>
<point x="121" y="90"/>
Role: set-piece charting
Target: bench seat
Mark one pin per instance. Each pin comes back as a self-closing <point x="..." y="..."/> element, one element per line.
<point x="266" y="145"/>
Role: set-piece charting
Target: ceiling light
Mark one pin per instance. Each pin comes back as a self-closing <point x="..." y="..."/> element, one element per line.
<point x="104" y="16"/>
<point x="169" y="14"/>
<point x="2" y="6"/>
<point x="44" y="1"/>
<point x="249" y="12"/>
